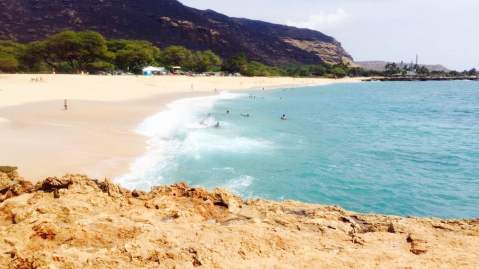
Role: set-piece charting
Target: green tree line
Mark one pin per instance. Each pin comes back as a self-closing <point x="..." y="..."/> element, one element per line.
<point x="393" y="69"/>
<point x="241" y="64"/>
<point x="88" y="51"/>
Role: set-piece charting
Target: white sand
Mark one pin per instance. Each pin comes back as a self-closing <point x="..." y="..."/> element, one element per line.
<point x="19" y="89"/>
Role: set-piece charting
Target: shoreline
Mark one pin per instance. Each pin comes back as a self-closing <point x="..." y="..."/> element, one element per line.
<point x="96" y="136"/>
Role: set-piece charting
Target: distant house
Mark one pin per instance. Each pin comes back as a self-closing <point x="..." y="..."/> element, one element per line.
<point x="151" y="70"/>
<point x="176" y="69"/>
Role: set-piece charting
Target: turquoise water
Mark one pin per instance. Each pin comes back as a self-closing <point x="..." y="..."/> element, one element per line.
<point x="403" y="148"/>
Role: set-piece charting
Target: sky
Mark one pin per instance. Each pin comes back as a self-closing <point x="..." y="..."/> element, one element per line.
<point x="439" y="31"/>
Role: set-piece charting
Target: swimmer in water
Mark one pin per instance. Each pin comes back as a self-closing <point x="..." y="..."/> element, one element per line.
<point x="228" y="111"/>
<point x="284" y="117"/>
<point x="217" y="125"/>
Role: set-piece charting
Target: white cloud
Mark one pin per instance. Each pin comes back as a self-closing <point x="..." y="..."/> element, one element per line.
<point x="323" y="20"/>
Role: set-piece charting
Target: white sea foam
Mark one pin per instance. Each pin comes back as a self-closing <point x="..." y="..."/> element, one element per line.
<point x="180" y="115"/>
<point x="239" y="185"/>
<point x="203" y="142"/>
<point x="170" y="132"/>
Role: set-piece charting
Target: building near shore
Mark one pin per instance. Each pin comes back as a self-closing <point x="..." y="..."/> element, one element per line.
<point x="151" y="70"/>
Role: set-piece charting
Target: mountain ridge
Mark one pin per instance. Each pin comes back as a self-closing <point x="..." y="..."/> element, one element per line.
<point x="169" y="22"/>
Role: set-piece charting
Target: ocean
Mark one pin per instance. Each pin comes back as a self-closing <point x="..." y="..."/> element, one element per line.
<point x="401" y="148"/>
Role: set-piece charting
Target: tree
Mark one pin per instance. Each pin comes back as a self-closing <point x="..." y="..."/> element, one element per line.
<point x="133" y="55"/>
<point x="472" y="72"/>
<point x="391" y="69"/>
<point x="422" y="70"/>
<point x="319" y="70"/>
<point x="339" y="71"/>
<point x="206" y="61"/>
<point x="255" y="69"/>
<point x="236" y="64"/>
<point x="296" y="70"/>
<point x="453" y="73"/>
<point x="93" y="48"/>
<point x="70" y="51"/>
<point x="357" y="72"/>
<point x="100" y="66"/>
<point x="177" y="56"/>
<point x="8" y="63"/>
<point x="11" y="54"/>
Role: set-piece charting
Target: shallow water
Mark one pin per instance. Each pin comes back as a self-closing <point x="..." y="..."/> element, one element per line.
<point x="403" y="148"/>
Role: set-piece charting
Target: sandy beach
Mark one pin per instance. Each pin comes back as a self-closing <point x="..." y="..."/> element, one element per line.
<point x="96" y="135"/>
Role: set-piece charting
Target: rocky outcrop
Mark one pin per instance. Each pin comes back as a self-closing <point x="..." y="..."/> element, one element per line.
<point x="77" y="222"/>
<point x="329" y="52"/>
<point x="11" y="184"/>
<point x="168" y="22"/>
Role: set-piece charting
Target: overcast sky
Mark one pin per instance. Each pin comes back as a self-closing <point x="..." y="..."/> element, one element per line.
<point x="440" y="31"/>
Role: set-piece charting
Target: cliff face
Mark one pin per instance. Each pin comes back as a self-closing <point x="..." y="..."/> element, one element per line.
<point x="76" y="222"/>
<point x="168" y="22"/>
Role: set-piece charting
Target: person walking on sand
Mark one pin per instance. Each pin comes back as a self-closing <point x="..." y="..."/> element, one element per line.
<point x="65" y="104"/>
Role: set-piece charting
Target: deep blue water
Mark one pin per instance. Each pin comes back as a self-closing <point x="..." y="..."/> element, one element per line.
<point x="403" y="148"/>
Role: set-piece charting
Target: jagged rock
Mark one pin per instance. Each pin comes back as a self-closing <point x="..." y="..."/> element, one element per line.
<point x="100" y="225"/>
<point x="112" y="189"/>
<point x="11" y="171"/>
<point x="8" y="176"/>
<point x="5" y="181"/>
<point x="137" y="193"/>
<point x="11" y="184"/>
<point x="53" y="183"/>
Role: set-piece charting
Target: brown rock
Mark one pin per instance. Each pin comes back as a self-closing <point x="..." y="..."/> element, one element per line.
<point x="45" y="230"/>
<point x="113" y="190"/>
<point x="12" y="185"/>
<point x="183" y="227"/>
<point x="56" y="194"/>
<point x="8" y="169"/>
<point x="53" y="183"/>
<point x="5" y="182"/>
<point x="418" y="245"/>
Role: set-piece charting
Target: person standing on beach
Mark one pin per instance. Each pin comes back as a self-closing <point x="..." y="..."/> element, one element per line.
<point x="65" y="104"/>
